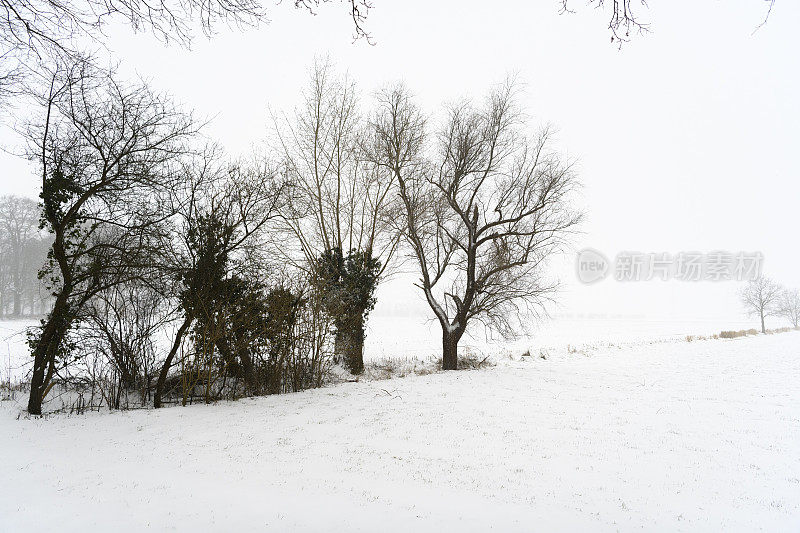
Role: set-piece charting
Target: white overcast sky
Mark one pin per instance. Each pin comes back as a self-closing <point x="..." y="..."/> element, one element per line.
<point x="686" y="138"/>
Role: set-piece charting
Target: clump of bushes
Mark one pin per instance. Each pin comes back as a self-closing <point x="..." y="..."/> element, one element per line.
<point x="472" y="360"/>
<point x="745" y="332"/>
<point x="735" y="334"/>
<point x="399" y="367"/>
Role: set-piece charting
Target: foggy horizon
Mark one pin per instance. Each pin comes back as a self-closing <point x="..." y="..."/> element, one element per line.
<point x="682" y="137"/>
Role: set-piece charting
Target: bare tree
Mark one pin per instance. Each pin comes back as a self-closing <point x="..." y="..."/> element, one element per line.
<point x="761" y="297"/>
<point x="485" y="205"/>
<point x="123" y="323"/>
<point x="39" y="24"/>
<point x="790" y="306"/>
<point x="31" y="30"/>
<point x="11" y="75"/>
<point x="623" y="19"/>
<point x="104" y="150"/>
<point x="340" y="206"/>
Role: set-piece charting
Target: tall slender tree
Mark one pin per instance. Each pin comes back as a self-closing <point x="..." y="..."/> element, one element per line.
<point x="340" y="206"/>
<point x="104" y="151"/>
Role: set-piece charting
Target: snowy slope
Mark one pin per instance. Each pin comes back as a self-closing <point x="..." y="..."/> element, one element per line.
<point x="666" y="436"/>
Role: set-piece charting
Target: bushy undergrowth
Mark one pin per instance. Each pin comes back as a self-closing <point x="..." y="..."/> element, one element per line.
<point x="399" y="367"/>
<point x="733" y="334"/>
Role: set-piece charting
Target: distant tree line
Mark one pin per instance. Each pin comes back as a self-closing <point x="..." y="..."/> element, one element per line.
<point x="23" y="249"/>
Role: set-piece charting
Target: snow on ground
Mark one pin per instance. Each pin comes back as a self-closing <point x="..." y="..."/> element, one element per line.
<point x="15" y="360"/>
<point x="694" y="436"/>
<point x="387" y="336"/>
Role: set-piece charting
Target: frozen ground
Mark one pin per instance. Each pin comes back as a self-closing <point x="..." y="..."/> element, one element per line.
<point x="697" y="436"/>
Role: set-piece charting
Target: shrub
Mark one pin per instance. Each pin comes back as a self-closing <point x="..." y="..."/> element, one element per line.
<point x="732" y="334"/>
<point x="740" y="333"/>
<point x="399" y="367"/>
<point x="472" y="360"/>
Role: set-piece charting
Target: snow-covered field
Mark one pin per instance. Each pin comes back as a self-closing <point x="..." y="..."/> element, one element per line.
<point x="400" y="337"/>
<point x="388" y="336"/>
<point x="669" y="435"/>
<point x="15" y="360"/>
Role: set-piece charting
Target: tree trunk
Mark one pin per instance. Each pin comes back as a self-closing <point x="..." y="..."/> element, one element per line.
<point x="763" y="329"/>
<point x="162" y="376"/>
<point x="450" y="349"/>
<point x="45" y="351"/>
<point x="349" y="347"/>
<point x="17" y="303"/>
<point x="36" y="396"/>
<point x="250" y="373"/>
<point x="355" y="359"/>
<point x="275" y="369"/>
<point x="244" y="361"/>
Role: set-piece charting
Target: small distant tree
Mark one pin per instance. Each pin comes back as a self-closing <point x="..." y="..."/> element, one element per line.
<point x="485" y="204"/>
<point x="790" y="306"/>
<point x="761" y="297"/>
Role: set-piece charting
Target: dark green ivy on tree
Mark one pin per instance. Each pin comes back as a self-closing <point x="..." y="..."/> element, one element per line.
<point x="347" y="286"/>
<point x="104" y="149"/>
